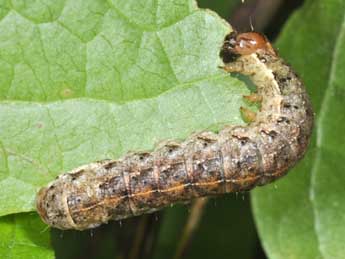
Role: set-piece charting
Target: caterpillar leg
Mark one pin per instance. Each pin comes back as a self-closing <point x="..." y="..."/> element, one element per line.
<point x="253" y="98"/>
<point x="248" y="115"/>
<point x="234" y="67"/>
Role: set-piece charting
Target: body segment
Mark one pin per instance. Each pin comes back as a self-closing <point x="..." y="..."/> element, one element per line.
<point x="238" y="158"/>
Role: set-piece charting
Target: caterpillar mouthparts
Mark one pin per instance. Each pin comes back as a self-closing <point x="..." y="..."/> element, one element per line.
<point x="238" y="158"/>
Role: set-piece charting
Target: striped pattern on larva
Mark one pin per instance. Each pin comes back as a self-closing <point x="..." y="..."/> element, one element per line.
<point x="238" y="158"/>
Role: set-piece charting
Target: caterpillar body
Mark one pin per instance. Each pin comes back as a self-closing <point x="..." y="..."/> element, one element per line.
<point x="238" y="158"/>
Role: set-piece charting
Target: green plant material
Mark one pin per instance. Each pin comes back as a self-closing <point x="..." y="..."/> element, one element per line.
<point x="24" y="236"/>
<point x="302" y="216"/>
<point x="86" y="80"/>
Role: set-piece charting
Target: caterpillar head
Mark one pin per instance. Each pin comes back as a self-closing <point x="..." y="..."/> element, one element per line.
<point x="240" y="44"/>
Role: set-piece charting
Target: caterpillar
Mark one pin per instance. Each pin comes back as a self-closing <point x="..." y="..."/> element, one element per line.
<point x="238" y="158"/>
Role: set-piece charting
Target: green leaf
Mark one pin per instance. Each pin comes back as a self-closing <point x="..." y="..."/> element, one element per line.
<point x="83" y="80"/>
<point x="302" y="215"/>
<point x="24" y="236"/>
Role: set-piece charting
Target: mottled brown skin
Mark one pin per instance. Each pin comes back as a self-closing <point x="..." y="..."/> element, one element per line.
<point x="236" y="159"/>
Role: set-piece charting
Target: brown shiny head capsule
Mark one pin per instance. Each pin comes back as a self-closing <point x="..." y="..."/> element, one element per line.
<point x="239" y="44"/>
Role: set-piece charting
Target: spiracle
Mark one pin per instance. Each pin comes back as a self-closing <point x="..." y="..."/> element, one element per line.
<point x="238" y="158"/>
